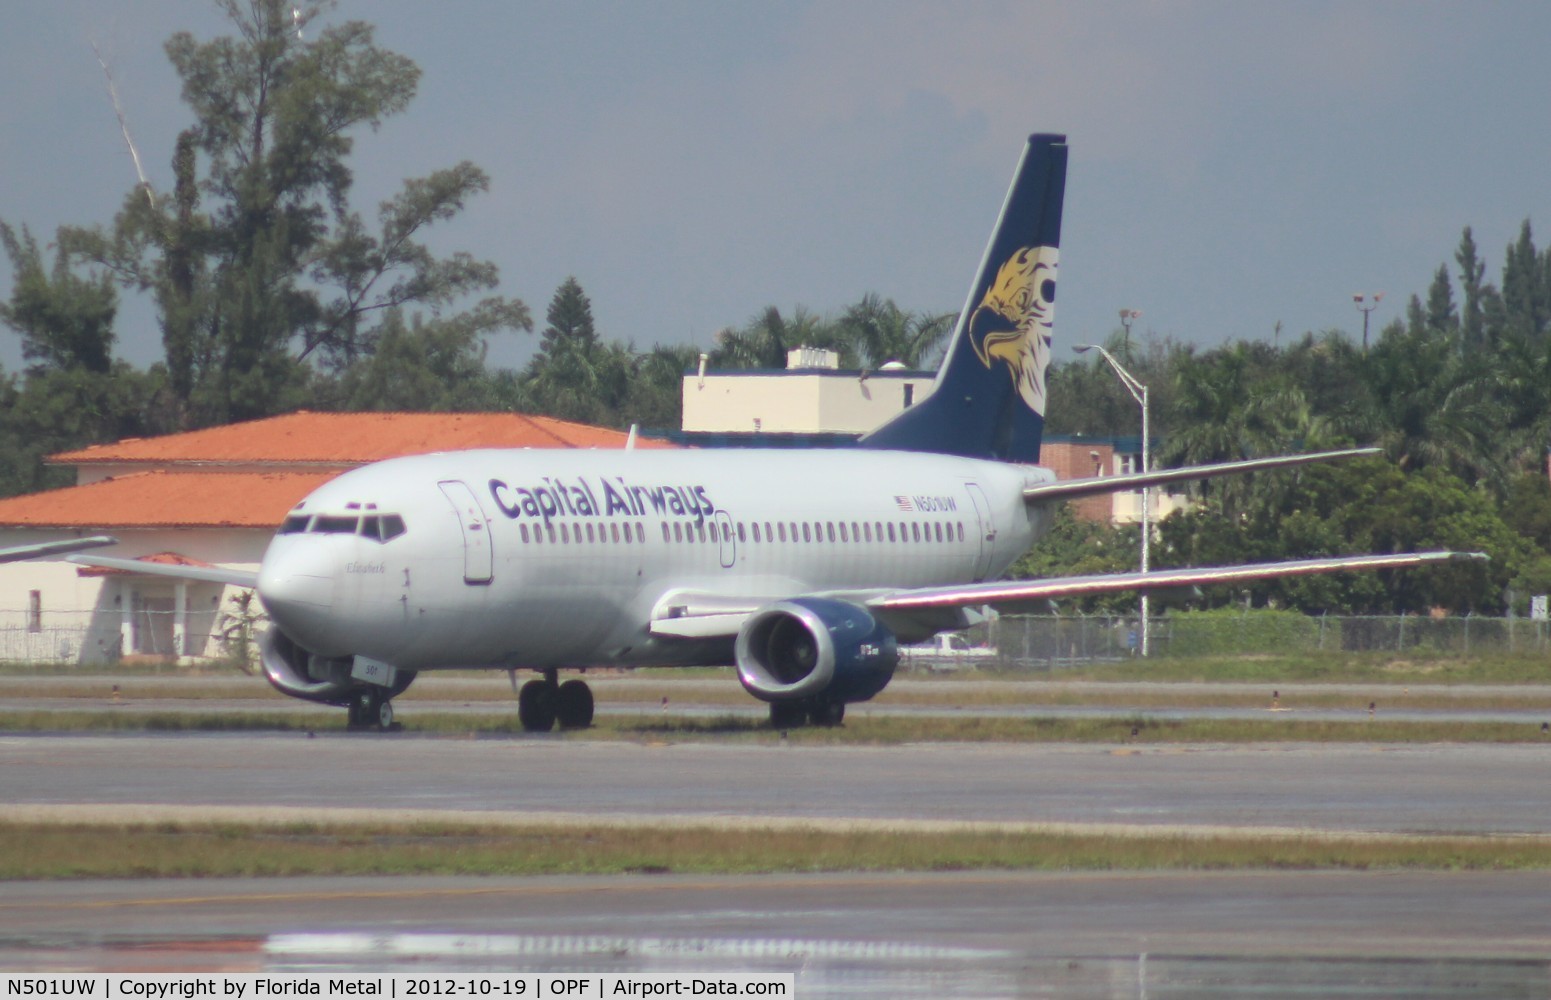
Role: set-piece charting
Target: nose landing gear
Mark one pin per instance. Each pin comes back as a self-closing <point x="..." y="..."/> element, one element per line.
<point x="369" y="709"/>
<point x="542" y="703"/>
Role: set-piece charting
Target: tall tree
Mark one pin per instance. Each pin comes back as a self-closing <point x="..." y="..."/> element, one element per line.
<point x="257" y="262"/>
<point x="573" y="376"/>
<point x="1471" y="270"/>
<point x="65" y="320"/>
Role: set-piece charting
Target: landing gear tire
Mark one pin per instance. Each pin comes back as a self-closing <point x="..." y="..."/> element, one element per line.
<point x="827" y="713"/>
<point x="369" y="709"/>
<point x="788" y="714"/>
<point x="536" y="706"/>
<point x="573" y="705"/>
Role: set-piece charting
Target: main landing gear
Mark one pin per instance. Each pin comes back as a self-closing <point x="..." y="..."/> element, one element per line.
<point x="814" y="711"/>
<point x="369" y="709"/>
<point x="542" y="703"/>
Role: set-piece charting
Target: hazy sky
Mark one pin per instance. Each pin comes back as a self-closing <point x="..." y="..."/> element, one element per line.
<point x="1232" y="164"/>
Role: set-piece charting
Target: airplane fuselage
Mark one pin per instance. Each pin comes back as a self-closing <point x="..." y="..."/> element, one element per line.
<point x="550" y="559"/>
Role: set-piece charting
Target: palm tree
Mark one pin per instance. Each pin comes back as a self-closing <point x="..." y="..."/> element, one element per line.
<point x="1233" y="403"/>
<point x="879" y="332"/>
<point x="763" y="343"/>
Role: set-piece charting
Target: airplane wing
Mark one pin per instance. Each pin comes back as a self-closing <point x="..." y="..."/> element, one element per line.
<point x="933" y="609"/>
<point x="1016" y="595"/>
<point x="1070" y="489"/>
<point x="202" y="574"/>
<point x="19" y="552"/>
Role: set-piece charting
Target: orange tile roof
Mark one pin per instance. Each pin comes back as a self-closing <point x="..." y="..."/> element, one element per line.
<point x="166" y="500"/>
<point x="346" y="439"/>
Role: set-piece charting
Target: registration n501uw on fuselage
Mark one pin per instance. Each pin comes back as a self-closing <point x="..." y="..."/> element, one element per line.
<point x="804" y="568"/>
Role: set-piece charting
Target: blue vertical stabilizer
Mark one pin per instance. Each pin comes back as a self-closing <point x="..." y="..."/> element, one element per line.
<point x="989" y="400"/>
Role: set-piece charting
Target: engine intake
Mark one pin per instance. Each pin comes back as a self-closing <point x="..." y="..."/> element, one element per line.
<point x="300" y="673"/>
<point x="812" y="647"/>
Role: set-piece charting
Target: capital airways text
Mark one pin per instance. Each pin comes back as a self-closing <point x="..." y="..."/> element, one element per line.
<point x="578" y="497"/>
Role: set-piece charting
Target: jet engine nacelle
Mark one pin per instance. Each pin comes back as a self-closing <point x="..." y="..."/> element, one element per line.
<point x="296" y="671"/>
<point x="812" y="647"/>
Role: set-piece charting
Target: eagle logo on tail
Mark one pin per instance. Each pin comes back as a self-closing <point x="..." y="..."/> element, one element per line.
<point x="1013" y="322"/>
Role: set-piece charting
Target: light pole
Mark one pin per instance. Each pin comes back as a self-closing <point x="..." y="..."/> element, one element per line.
<point x="1367" y="303"/>
<point x="1138" y="392"/>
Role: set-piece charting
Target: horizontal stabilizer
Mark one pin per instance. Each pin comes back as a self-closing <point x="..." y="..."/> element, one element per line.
<point x="201" y="574"/>
<point x="1071" y="489"/>
<point x="18" y="552"/>
<point x="1014" y="595"/>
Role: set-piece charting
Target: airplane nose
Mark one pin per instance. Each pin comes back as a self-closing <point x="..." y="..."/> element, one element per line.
<point x="298" y="593"/>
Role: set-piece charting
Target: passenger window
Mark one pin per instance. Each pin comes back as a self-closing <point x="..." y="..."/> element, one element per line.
<point x="769" y="535"/>
<point x="891" y="531"/>
<point x="334" y="525"/>
<point x="614" y="532"/>
<point x="805" y="534"/>
<point x="866" y="532"/>
<point x="915" y="531"/>
<point x="961" y="531"/>
<point x="741" y="536"/>
<point x="550" y="528"/>
<point x="713" y="532"/>
<point x="678" y="532"/>
<point x="782" y="527"/>
<point x="701" y="529"/>
<point x="756" y="531"/>
<point x="829" y="529"/>
<point x="524" y="530"/>
<point x="565" y="534"/>
<point x="856" y="532"/>
<point x="665" y="531"/>
<point x="843" y="536"/>
<point x="294" y="524"/>
<point x="937" y="530"/>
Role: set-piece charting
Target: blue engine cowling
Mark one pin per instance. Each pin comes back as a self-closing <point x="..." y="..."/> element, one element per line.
<point x="813" y="647"/>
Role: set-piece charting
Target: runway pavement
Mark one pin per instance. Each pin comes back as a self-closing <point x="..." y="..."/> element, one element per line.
<point x="1477" y="788"/>
<point x="983" y="934"/>
<point x="961" y="934"/>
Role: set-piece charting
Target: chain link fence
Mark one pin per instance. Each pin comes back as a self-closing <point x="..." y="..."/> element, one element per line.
<point x="1051" y="642"/>
<point x="86" y="637"/>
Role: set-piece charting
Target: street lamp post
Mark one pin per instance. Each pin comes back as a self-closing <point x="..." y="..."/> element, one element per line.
<point x="1367" y="303"/>
<point x="1138" y="392"/>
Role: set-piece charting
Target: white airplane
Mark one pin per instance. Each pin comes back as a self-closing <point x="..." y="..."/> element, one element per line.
<point x="803" y="568"/>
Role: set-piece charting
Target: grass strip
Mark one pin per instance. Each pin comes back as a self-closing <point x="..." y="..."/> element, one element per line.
<point x="881" y="730"/>
<point x="186" y="850"/>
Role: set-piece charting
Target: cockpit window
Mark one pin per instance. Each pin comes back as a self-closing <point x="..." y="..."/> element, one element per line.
<point x="382" y="528"/>
<point x="294" y="524"/>
<point x="333" y="525"/>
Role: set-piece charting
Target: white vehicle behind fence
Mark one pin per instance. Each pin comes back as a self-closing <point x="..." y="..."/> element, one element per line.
<point x="946" y="651"/>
